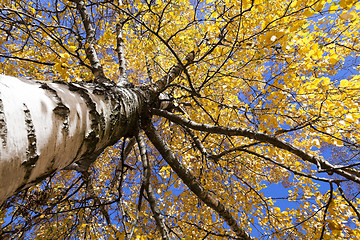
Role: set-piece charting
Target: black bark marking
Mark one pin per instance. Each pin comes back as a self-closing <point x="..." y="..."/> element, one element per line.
<point x="119" y="112"/>
<point x="121" y="103"/>
<point x="60" y="110"/>
<point x="3" y="128"/>
<point x="115" y="115"/>
<point x="106" y="89"/>
<point x="31" y="152"/>
<point x="100" y="90"/>
<point x="97" y="126"/>
<point x="97" y="120"/>
<point x="123" y="118"/>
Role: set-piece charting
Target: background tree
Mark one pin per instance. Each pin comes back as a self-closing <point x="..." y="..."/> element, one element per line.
<point x="233" y="97"/>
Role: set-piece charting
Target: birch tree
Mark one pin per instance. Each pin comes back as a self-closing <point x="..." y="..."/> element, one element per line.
<point x="176" y="119"/>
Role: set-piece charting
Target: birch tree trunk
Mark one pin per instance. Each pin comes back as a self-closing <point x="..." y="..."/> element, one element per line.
<point x="46" y="126"/>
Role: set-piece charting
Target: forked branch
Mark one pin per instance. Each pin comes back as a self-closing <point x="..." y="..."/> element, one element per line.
<point x="173" y="73"/>
<point x="349" y="173"/>
<point x="148" y="188"/>
<point x="194" y="185"/>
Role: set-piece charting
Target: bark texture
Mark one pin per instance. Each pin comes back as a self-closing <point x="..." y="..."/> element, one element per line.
<point x="45" y="126"/>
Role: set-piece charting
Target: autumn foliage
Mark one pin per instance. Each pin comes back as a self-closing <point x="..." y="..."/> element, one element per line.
<point x="265" y="118"/>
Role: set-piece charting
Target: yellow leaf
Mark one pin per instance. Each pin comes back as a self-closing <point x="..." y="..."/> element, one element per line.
<point x="333" y="8"/>
<point x="344" y="83"/>
<point x="120" y="235"/>
<point x="338" y="143"/>
<point x="33" y="11"/>
<point x="346" y="16"/>
<point x="64" y="56"/>
<point x="308" y="13"/>
<point x="333" y="58"/>
<point x="276" y="209"/>
<point x="72" y="48"/>
<point x="333" y="225"/>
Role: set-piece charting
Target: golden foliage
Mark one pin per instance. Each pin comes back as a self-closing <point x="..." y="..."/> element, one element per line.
<point x="285" y="68"/>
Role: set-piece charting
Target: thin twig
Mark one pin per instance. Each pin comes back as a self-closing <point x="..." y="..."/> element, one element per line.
<point x="27" y="59"/>
<point x="348" y="201"/>
<point x="349" y="173"/>
<point x="149" y="190"/>
<point x="90" y="189"/>
<point x="326" y="209"/>
<point x="121" y="163"/>
<point x="193" y="183"/>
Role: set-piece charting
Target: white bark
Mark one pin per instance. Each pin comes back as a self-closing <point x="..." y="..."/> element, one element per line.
<point x="45" y="126"/>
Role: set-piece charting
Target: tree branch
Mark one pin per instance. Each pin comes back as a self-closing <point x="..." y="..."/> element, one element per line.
<point x="137" y="214"/>
<point x="27" y="59"/>
<point x="148" y="188"/>
<point x="326" y="209"/>
<point x="179" y="67"/>
<point x="96" y="66"/>
<point x="90" y="189"/>
<point x="120" y="166"/>
<point x="194" y="185"/>
<point x="348" y="201"/>
<point x="120" y="49"/>
<point x="234" y="149"/>
<point x="286" y="167"/>
<point x="174" y="72"/>
<point x="350" y="174"/>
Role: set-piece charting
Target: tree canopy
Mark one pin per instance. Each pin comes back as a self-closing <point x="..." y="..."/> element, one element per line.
<point x="258" y="136"/>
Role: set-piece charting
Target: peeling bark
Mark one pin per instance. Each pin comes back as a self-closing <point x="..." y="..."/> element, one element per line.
<point x="61" y="110"/>
<point x="45" y="126"/>
<point x="31" y="151"/>
<point x="3" y="129"/>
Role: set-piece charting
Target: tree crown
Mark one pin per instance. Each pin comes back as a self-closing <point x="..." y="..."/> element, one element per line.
<point x="257" y="92"/>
